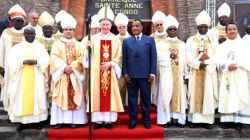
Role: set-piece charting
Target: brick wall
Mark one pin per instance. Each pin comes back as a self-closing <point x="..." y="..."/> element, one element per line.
<point x="187" y="10"/>
<point x="77" y="9"/>
<point x="52" y="6"/>
<point x="160" y="5"/>
<point x="166" y="6"/>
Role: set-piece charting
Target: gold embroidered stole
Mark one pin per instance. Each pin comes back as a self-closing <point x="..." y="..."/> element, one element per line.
<point x="46" y="43"/>
<point x="176" y="96"/>
<point x="15" y="37"/>
<point x="105" y="76"/>
<point x="56" y="37"/>
<point x="70" y="57"/>
<point x="199" y="77"/>
<point x="222" y="31"/>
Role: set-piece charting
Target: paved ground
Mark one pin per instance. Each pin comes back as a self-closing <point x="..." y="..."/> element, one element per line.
<point x="8" y="132"/>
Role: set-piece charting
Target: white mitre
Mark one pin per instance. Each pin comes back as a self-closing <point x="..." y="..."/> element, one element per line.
<point x="203" y="18"/>
<point x="171" y="21"/>
<point x="46" y="19"/>
<point x="224" y="10"/>
<point x="121" y="19"/>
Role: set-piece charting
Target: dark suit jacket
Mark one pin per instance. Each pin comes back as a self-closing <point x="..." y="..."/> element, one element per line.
<point x="139" y="58"/>
<point x="3" y="25"/>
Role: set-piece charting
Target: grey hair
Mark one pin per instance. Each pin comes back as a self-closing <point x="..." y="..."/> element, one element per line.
<point x="33" y="11"/>
<point x="28" y="28"/>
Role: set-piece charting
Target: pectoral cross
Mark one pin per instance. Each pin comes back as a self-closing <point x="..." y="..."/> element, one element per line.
<point x="201" y="48"/>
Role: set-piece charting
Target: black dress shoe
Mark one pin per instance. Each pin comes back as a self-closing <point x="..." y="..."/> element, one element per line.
<point x="167" y="125"/>
<point x="192" y="125"/>
<point x="227" y="125"/>
<point x="21" y="127"/>
<point x="109" y="126"/>
<point x="58" y="126"/>
<point x="131" y="125"/>
<point x="98" y="126"/>
<point x="73" y="125"/>
<point x="238" y="126"/>
<point x="38" y="126"/>
<point x="147" y="126"/>
<point x="181" y="125"/>
<point x="224" y="126"/>
<point x="207" y="126"/>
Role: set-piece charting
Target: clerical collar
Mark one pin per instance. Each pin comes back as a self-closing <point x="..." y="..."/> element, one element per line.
<point x="28" y="43"/>
<point x="105" y="36"/>
<point x="15" y="30"/>
<point x="233" y="40"/>
<point x="172" y="38"/>
<point x="37" y="26"/>
<point x="47" y="38"/>
<point x="221" y="26"/>
<point x="161" y="33"/>
<point x="204" y="37"/>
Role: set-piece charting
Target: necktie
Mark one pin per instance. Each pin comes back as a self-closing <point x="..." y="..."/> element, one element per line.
<point x="137" y="38"/>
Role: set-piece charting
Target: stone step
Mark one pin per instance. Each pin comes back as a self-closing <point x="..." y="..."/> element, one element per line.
<point x="10" y="133"/>
<point x="2" y="111"/>
<point x="216" y="132"/>
<point x="191" y="138"/>
<point x="4" y="117"/>
<point x="4" y="121"/>
<point x="173" y="133"/>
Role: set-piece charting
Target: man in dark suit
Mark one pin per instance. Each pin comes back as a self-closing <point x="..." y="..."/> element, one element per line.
<point x="4" y="24"/>
<point x="139" y="69"/>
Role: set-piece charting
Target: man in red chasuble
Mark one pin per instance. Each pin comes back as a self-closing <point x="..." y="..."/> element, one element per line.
<point x="105" y="72"/>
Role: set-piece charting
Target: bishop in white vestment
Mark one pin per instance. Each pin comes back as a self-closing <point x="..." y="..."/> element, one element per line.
<point x="202" y="94"/>
<point x="233" y="60"/>
<point x="171" y="56"/>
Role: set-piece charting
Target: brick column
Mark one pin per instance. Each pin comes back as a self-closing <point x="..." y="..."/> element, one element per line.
<point x="182" y="19"/>
<point x="171" y="7"/>
<point x="64" y="4"/>
<point x="77" y="9"/>
<point x="160" y="5"/>
<point x="166" y="6"/>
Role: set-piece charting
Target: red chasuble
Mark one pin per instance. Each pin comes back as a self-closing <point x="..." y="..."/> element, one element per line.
<point x="105" y="76"/>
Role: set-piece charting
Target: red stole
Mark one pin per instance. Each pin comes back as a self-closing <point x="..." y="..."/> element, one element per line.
<point x="105" y="76"/>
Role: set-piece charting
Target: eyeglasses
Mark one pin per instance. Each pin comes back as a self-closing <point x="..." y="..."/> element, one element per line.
<point x="68" y="29"/>
<point x="158" y="25"/>
<point x="172" y="29"/>
<point x="121" y="27"/>
<point x="203" y="27"/>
